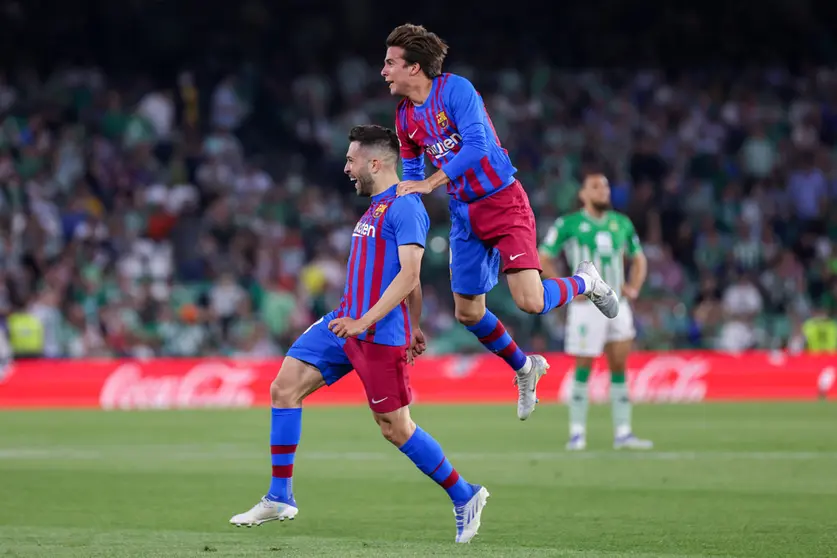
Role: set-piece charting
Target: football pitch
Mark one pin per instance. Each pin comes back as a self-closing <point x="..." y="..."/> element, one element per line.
<point x="724" y="480"/>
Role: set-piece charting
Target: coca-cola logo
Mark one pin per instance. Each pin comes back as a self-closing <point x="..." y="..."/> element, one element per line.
<point x="209" y="384"/>
<point x="661" y="379"/>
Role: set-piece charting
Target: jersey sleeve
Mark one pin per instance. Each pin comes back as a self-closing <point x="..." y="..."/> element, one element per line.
<point x="634" y="245"/>
<point x="555" y="238"/>
<point x="467" y="112"/>
<point x="412" y="155"/>
<point x="409" y="220"/>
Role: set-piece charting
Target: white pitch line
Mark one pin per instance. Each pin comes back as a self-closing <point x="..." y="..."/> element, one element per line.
<point x="232" y="452"/>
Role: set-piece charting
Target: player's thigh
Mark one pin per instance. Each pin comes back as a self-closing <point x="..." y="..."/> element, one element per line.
<point x="319" y="347"/>
<point x="505" y="221"/>
<point x="295" y="381"/>
<point x="384" y="373"/>
<point x="526" y="288"/>
<point x="474" y="265"/>
<point x="586" y="330"/>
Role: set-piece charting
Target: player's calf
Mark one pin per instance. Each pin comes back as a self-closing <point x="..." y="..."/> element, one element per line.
<point x="471" y="312"/>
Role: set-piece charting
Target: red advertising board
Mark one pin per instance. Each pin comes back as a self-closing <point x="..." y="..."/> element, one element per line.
<point x="189" y="383"/>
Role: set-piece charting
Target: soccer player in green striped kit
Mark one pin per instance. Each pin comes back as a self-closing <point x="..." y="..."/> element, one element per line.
<point x="605" y="237"/>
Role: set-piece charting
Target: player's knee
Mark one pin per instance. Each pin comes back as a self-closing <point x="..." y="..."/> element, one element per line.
<point x="284" y="395"/>
<point x="468" y="316"/>
<point x="395" y="428"/>
<point x="531" y="303"/>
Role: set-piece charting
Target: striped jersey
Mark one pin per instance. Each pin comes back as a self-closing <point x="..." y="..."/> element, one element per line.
<point x="605" y="242"/>
<point x="453" y="128"/>
<point x="389" y="222"/>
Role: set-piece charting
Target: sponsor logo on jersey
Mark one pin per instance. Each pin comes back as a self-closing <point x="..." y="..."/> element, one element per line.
<point x="442" y="148"/>
<point x="364" y="229"/>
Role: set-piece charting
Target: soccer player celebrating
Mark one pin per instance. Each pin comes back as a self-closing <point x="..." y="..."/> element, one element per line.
<point x="603" y="236"/>
<point x="375" y="332"/>
<point x="492" y="224"/>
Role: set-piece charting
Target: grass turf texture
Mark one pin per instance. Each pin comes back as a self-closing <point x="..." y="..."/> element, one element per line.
<point x="724" y="480"/>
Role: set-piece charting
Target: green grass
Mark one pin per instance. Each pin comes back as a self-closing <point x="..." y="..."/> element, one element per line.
<point x="725" y="480"/>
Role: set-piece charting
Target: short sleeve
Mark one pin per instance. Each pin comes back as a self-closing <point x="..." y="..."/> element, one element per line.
<point x="409" y="220"/>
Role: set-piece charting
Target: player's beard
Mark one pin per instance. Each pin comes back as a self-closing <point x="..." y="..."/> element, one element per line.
<point x="601" y="206"/>
<point x="365" y="184"/>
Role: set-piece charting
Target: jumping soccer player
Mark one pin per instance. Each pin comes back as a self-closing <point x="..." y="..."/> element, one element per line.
<point x="491" y="219"/>
<point x="374" y="331"/>
<point x="596" y="233"/>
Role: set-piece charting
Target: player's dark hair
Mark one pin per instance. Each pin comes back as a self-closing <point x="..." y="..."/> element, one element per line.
<point x="420" y="47"/>
<point x="372" y="135"/>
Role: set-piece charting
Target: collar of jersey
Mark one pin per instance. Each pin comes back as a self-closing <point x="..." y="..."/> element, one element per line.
<point x="426" y="102"/>
<point x="601" y="219"/>
<point x="386" y="193"/>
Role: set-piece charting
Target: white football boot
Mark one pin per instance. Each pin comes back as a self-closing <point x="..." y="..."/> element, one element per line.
<point x="266" y="510"/>
<point x="468" y="515"/>
<point x="527" y="379"/>
<point x="597" y="290"/>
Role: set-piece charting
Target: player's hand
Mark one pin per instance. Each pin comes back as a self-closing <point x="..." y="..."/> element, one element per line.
<point x="413" y="187"/>
<point x="418" y="344"/>
<point x="347" y="327"/>
<point x="629" y="292"/>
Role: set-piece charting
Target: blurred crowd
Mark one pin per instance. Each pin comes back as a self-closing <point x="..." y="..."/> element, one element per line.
<point x="142" y="218"/>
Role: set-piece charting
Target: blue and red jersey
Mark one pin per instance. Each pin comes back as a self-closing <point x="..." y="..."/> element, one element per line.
<point x="389" y="222"/>
<point x="453" y="128"/>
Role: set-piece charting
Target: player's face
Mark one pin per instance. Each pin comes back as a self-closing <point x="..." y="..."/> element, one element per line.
<point x="596" y="193"/>
<point x="396" y="72"/>
<point x="357" y="169"/>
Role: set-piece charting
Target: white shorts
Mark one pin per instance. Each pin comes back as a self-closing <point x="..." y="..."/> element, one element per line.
<point x="588" y="330"/>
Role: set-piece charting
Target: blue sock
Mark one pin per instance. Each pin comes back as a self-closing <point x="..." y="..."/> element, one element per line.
<point x="492" y="334"/>
<point x="285" y="432"/>
<point x="428" y="456"/>
<point x="559" y="291"/>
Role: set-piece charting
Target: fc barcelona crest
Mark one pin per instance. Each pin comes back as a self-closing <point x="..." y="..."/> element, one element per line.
<point x="442" y="119"/>
<point x="379" y="210"/>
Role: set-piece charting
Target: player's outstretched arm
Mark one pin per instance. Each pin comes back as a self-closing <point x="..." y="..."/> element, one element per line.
<point x="467" y="111"/>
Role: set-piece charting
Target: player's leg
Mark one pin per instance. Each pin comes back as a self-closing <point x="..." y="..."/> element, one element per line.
<point x="473" y="270"/>
<point x="470" y="310"/>
<point x="506" y="221"/>
<point x="585" y="340"/>
<point x="620" y="338"/>
<point x="385" y="377"/>
<point x="316" y="359"/>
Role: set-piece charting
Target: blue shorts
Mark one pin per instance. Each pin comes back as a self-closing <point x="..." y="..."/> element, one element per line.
<point x="498" y="230"/>
<point x="323" y="350"/>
